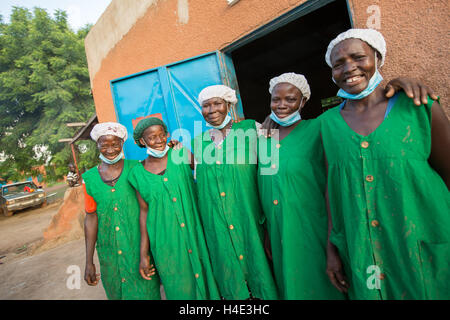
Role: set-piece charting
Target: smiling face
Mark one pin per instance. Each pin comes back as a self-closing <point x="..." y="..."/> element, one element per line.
<point x="353" y="64"/>
<point x="214" y="111"/>
<point x="155" y="137"/>
<point x="285" y="100"/>
<point x="110" y="146"/>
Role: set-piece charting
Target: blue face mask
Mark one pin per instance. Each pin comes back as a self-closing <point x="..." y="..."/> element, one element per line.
<point x="290" y="119"/>
<point x="157" y="153"/>
<point x="286" y="121"/>
<point x="373" y="83"/>
<point x="115" y="160"/>
<point x="223" y="124"/>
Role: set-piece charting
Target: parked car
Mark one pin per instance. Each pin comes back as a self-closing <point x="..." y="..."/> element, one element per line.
<point x="20" y="195"/>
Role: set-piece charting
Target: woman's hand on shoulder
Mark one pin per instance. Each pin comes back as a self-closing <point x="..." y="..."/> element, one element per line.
<point x="175" y="144"/>
<point x="268" y="126"/>
<point x="415" y="89"/>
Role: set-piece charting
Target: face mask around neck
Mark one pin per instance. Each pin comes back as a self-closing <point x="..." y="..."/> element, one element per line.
<point x="374" y="81"/>
<point x="290" y="119"/>
<point x="113" y="161"/>
<point x="157" y="153"/>
<point x="224" y="122"/>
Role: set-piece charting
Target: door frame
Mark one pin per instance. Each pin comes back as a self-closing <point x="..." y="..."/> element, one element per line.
<point x="299" y="11"/>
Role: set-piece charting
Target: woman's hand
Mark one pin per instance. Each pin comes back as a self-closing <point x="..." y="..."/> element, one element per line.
<point x="413" y="88"/>
<point x="90" y="276"/>
<point x="335" y="270"/>
<point x="175" y="144"/>
<point x="146" y="269"/>
<point x="268" y="125"/>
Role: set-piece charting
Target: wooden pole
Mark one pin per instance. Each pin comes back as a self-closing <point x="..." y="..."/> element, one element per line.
<point x="75" y="160"/>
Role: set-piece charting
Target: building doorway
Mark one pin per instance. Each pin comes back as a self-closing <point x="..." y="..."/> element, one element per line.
<point x="298" y="46"/>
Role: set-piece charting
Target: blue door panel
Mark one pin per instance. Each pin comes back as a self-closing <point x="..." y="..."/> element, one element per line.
<point x="186" y="80"/>
<point x="136" y="97"/>
<point x="172" y="91"/>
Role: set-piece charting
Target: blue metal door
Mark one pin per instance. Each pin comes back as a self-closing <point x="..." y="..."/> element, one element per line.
<point x="172" y="91"/>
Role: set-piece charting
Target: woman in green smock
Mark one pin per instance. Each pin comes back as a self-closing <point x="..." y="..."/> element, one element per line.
<point x="291" y="179"/>
<point x="169" y="219"/>
<point x="229" y="204"/>
<point x="388" y="180"/>
<point x="112" y="221"/>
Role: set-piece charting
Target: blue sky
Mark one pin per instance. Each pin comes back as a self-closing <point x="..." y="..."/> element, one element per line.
<point x="80" y="12"/>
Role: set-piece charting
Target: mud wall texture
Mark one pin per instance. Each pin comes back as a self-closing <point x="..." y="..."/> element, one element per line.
<point x="159" y="32"/>
<point x="67" y="224"/>
<point x="417" y="37"/>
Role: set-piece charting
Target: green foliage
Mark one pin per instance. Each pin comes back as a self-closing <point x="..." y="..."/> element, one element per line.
<point x="90" y="157"/>
<point x="44" y="84"/>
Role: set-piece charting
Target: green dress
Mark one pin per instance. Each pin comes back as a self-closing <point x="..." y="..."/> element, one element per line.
<point x="176" y="236"/>
<point x="291" y="179"/>
<point x="231" y="212"/>
<point x="390" y="208"/>
<point x="118" y="237"/>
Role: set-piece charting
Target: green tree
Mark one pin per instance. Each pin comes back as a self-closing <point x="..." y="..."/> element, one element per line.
<point x="44" y="84"/>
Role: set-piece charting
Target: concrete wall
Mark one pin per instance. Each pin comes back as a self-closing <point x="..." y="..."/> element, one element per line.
<point x="115" y="22"/>
<point x="132" y="36"/>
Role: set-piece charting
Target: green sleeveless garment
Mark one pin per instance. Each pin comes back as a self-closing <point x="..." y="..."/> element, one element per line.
<point x="390" y="208"/>
<point x="176" y="236"/>
<point x="291" y="179"/>
<point x="118" y="237"/>
<point x="231" y="212"/>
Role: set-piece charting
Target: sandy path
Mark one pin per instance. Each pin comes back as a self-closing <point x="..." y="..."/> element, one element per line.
<point x="46" y="276"/>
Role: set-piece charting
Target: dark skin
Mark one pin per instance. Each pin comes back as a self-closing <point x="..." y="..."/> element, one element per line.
<point x="413" y="88"/>
<point x="285" y="100"/>
<point x="214" y="111"/>
<point x="110" y="146"/>
<point x="156" y="138"/>
<point x="353" y="64"/>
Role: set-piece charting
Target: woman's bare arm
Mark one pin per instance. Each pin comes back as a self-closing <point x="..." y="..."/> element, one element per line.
<point x="145" y="268"/>
<point x="440" y="143"/>
<point x="90" y="235"/>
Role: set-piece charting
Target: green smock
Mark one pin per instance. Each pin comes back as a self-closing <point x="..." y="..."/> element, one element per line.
<point x="118" y="237"/>
<point x="390" y="208"/>
<point x="231" y="212"/>
<point x="174" y="228"/>
<point x="291" y="179"/>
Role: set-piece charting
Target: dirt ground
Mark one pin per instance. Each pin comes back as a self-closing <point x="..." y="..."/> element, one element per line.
<point x="53" y="274"/>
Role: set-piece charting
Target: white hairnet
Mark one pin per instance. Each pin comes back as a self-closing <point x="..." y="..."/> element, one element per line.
<point x="218" y="91"/>
<point x="109" y="128"/>
<point x="372" y="37"/>
<point x="295" y="79"/>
